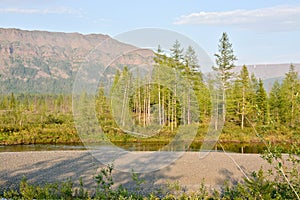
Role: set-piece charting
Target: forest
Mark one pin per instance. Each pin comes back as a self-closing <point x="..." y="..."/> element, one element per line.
<point x="153" y="108"/>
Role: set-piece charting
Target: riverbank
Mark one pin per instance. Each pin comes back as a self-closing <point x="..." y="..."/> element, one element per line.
<point x="188" y="171"/>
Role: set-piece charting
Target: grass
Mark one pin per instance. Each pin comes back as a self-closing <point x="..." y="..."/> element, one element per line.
<point x="49" y="127"/>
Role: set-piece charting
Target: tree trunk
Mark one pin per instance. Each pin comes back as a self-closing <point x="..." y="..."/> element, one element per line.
<point x="159" y="107"/>
<point x="163" y="109"/>
<point x="124" y="105"/>
<point x="243" y="108"/>
<point x="223" y="104"/>
<point x="139" y="104"/>
<point x="189" y="108"/>
<point x="149" y="106"/>
<point x="145" y="106"/>
<point x="216" y="112"/>
<point x="175" y="107"/>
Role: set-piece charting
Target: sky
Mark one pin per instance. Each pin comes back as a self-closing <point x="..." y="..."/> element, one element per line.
<point x="262" y="32"/>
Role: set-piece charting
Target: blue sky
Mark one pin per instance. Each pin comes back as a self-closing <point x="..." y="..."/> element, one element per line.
<point x="261" y="31"/>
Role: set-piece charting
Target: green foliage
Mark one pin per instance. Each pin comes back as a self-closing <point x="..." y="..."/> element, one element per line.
<point x="239" y="101"/>
<point x="104" y="181"/>
<point x="32" y="118"/>
<point x="289" y="99"/>
<point x="274" y="103"/>
<point x="177" y="52"/>
<point x="47" y="118"/>
<point x="261" y="103"/>
<point x="63" y="190"/>
<point x="138" y="182"/>
<point x="36" y="119"/>
<point x="225" y="60"/>
<point x="285" y="170"/>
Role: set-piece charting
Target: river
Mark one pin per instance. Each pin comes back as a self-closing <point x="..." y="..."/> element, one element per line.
<point x="135" y="146"/>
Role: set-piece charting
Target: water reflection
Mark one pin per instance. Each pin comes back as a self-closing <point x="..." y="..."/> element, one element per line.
<point x="138" y="146"/>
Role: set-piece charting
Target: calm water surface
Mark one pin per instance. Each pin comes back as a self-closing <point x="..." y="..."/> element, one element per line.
<point x="136" y="146"/>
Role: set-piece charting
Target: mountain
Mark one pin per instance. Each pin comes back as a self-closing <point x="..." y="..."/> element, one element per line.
<point x="47" y="62"/>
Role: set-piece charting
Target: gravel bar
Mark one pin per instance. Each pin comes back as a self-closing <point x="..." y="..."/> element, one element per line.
<point x="40" y="167"/>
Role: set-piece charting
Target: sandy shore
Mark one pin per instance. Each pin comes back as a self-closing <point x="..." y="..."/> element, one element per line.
<point x="50" y="166"/>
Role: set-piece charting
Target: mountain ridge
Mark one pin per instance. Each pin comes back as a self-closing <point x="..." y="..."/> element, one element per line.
<point x="47" y="62"/>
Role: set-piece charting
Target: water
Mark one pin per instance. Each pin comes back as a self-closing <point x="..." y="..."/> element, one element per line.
<point x="137" y="146"/>
<point x="40" y="147"/>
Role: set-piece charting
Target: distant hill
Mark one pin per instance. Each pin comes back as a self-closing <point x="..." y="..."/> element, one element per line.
<point x="269" y="73"/>
<point x="47" y="62"/>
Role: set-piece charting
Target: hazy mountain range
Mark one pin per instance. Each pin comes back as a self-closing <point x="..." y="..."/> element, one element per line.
<point x="47" y="62"/>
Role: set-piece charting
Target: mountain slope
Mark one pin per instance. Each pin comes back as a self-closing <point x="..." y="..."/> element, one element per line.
<point x="47" y="62"/>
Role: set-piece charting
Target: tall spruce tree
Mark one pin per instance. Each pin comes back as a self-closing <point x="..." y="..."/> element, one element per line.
<point x="177" y="52"/>
<point x="225" y="59"/>
<point x="261" y="103"/>
<point x="244" y="104"/>
<point x="191" y="59"/>
<point x="193" y="74"/>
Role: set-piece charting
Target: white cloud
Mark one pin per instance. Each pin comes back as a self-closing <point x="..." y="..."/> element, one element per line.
<point x="277" y="18"/>
<point x="59" y="10"/>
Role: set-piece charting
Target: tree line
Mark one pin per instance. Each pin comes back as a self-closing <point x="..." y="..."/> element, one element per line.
<point x="241" y="97"/>
<point x="175" y="94"/>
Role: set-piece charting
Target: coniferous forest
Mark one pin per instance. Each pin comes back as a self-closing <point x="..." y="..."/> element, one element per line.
<point x="187" y="98"/>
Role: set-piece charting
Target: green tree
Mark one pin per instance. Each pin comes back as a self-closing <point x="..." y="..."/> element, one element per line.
<point x="275" y="102"/>
<point x="244" y="104"/>
<point x="289" y="93"/>
<point x="225" y="59"/>
<point x="193" y="74"/>
<point x="191" y="60"/>
<point x="177" y="52"/>
<point x="254" y="86"/>
<point x="262" y="103"/>
<point x="176" y="61"/>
